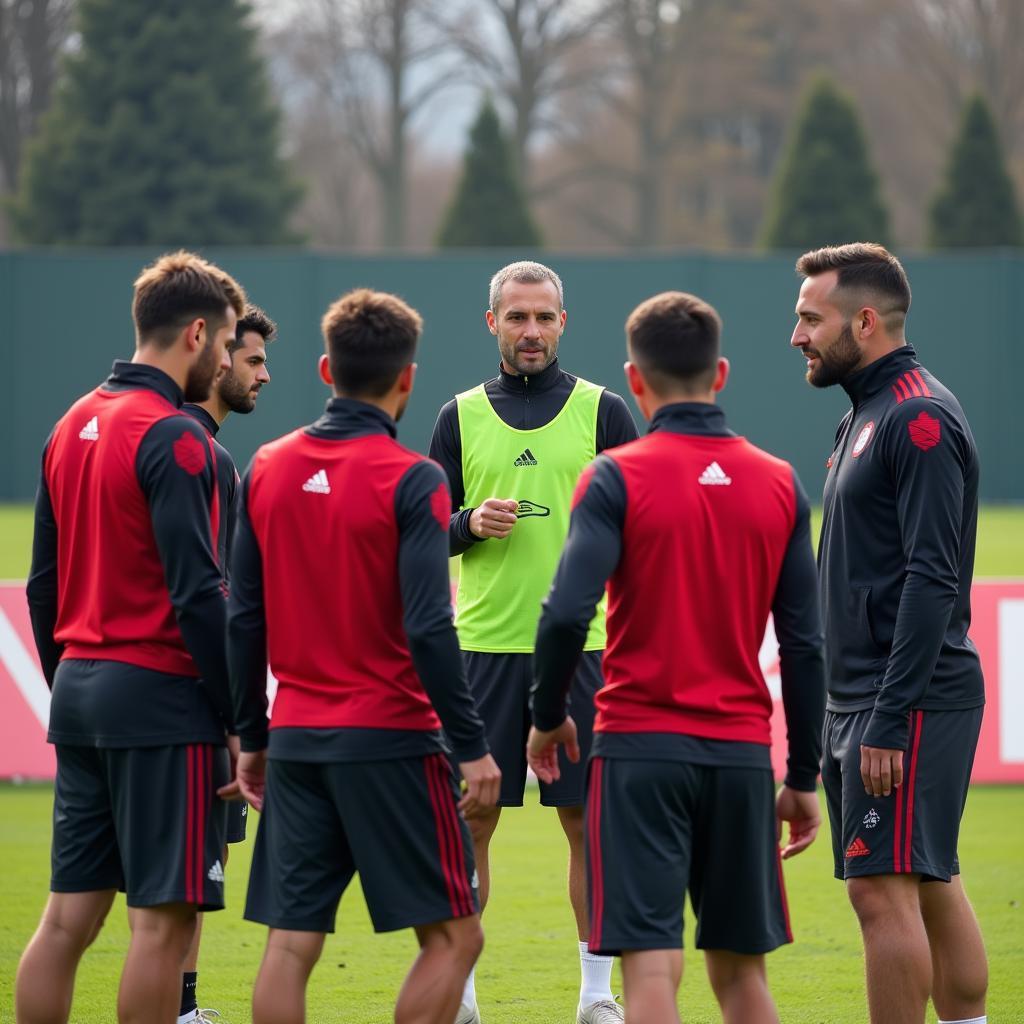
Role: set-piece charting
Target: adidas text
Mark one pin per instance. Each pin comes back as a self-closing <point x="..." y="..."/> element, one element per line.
<point x="714" y="475"/>
<point x="526" y="459"/>
<point x="91" y="431"/>
<point x="317" y="483"/>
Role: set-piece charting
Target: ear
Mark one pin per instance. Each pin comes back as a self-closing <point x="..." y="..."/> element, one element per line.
<point x="195" y="334"/>
<point x="635" y="381"/>
<point x="721" y="375"/>
<point x="866" y="322"/>
<point x="492" y="323"/>
<point x="324" y="369"/>
<point x="406" y="379"/>
<point x="561" y="321"/>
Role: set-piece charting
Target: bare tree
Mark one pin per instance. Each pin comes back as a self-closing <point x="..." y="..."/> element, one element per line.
<point x="524" y="50"/>
<point x="378" y="63"/>
<point x="32" y="34"/>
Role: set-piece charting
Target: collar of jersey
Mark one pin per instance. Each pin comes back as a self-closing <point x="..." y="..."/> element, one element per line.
<point x="691" y="418"/>
<point x="519" y="385"/>
<point x="126" y="376"/>
<point x="875" y="376"/>
<point x="348" y="417"/>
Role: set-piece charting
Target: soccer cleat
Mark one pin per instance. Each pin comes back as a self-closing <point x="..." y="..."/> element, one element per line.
<point x="468" y="1014"/>
<point x="604" y="1011"/>
<point x="207" y="1016"/>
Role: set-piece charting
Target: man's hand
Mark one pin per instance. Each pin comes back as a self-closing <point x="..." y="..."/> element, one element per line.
<point x="542" y="749"/>
<point x="495" y="518"/>
<point x="251" y="776"/>
<point x="231" y="790"/>
<point x="881" y="770"/>
<point x="803" y="812"/>
<point x="483" y="785"/>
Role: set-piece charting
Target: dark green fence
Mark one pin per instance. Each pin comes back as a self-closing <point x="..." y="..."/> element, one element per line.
<point x="65" y="315"/>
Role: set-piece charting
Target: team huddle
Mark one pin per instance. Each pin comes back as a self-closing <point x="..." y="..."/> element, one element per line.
<point x="613" y="596"/>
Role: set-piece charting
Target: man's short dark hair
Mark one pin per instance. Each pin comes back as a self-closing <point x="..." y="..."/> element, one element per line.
<point x="370" y="337"/>
<point x="865" y="270"/>
<point x="673" y="339"/>
<point x="253" y="319"/>
<point x="177" y="289"/>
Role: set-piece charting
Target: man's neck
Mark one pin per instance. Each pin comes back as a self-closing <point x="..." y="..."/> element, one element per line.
<point x="386" y="403"/>
<point x="168" y="362"/>
<point x="215" y="407"/>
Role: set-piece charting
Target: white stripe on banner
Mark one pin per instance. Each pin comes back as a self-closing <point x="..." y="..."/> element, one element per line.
<point x="24" y="671"/>
<point x="1011" y="680"/>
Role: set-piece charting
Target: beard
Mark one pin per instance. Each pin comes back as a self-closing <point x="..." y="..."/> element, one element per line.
<point x="234" y="394"/>
<point x="201" y="374"/>
<point x="512" y="357"/>
<point x="835" y="363"/>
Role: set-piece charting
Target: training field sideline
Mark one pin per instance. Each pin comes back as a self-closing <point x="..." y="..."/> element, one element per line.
<point x="528" y="973"/>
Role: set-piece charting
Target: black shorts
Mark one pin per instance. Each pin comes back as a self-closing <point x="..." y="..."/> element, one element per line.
<point x="238" y="815"/>
<point x="655" y="829"/>
<point x="395" y="822"/>
<point x="500" y="684"/>
<point x="145" y="820"/>
<point x="914" y="829"/>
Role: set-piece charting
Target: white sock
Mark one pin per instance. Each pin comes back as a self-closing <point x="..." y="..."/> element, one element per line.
<point x="469" y="992"/>
<point x="596" y="976"/>
<point x="967" y="1020"/>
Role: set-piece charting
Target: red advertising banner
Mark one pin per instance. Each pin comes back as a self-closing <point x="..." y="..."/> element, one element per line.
<point x="998" y="632"/>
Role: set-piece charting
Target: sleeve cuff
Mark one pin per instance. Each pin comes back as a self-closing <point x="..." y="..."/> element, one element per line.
<point x="548" y="722"/>
<point x="252" y="742"/>
<point x="887" y="730"/>
<point x="473" y="752"/>
<point x="804" y="782"/>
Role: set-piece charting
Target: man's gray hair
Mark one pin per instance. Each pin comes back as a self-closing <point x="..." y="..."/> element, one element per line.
<point x="523" y="272"/>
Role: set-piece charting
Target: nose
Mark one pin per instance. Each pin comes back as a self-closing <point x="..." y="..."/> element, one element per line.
<point x="263" y="376"/>
<point x="799" y="337"/>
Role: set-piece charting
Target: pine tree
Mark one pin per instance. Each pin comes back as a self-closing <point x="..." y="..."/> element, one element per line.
<point x="489" y="207"/>
<point x="975" y="205"/>
<point x="826" y="191"/>
<point x="163" y="132"/>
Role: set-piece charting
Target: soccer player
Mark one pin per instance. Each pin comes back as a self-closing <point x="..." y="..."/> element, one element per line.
<point x="699" y="535"/>
<point x="905" y="691"/>
<point x="513" y="448"/>
<point x="234" y="390"/>
<point x="128" y="613"/>
<point x="340" y="570"/>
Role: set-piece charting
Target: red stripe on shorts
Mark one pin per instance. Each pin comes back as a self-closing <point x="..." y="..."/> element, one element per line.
<point x="190" y="799"/>
<point x="896" y="835"/>
<point x="444" y="845"/>
<point x="917" y="721"/>
<point x="594" y="846"/>
<point x="463" y="887"/>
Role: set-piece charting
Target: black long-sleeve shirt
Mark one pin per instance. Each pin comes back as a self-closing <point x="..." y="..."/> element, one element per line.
<point x="694" y="559"/>
<point x="897" y="550"/>
<point x="524" y="403"/>
<point x="161" y="706"/>
<point x="227" y="482"/>
<point x="418" y="515"/>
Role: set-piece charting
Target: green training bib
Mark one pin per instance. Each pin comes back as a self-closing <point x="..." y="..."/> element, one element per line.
<point x="502" y="582"/>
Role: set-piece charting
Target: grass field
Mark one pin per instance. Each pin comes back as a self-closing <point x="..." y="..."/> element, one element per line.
<point x="1000" y="540"/>
<point x="529" y="970"/>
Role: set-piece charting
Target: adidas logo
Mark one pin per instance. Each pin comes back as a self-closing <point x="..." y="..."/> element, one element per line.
<point x="216" y="873"/>
<point x="714" y="475"/>
<point x="858" y="848"/>
<point x="317" y="483"/>
<point x="526" y="459"/>
<point x="91" y="431"/>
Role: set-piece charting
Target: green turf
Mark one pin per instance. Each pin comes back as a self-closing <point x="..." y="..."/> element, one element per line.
<point x="529" y="970"/>
<point x="1000" y="540"/>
